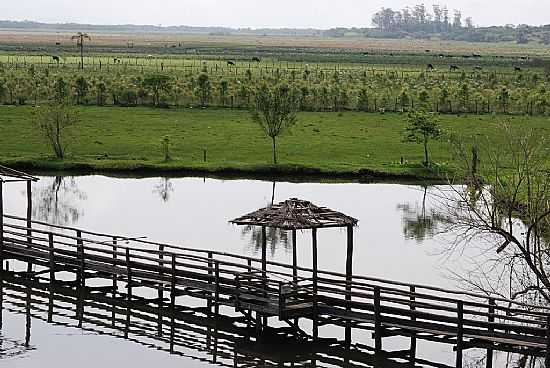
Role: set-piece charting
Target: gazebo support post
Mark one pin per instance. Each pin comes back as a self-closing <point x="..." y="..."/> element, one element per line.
<point x="264" y="266"/>
<point x="29" y="217"/>
<point x="295" y="267"/>
<point x="349" y="279"/>
<point x="315" y="269"/>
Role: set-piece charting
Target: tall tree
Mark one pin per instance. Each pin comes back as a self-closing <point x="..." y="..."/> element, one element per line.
<point x="80" y="37"/>
<point x="52" y="121"/>
<point x="274" y="112"/>
<point x="422" y="127"/>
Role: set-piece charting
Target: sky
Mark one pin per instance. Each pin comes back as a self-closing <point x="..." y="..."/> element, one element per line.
<point x="259" y="13"/>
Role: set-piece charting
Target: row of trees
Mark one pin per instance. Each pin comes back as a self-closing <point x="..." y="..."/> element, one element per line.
<point x="419" y="19"/>
<point x="523" y="93"/>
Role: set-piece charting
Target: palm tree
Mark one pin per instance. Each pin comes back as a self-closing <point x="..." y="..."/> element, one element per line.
<point x="80" y="37"/>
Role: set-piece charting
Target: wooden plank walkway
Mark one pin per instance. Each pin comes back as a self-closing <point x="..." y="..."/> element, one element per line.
<point x="103" y="263"/>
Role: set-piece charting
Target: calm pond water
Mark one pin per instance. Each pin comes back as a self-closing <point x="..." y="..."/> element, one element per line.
<point x="391" y="242"/>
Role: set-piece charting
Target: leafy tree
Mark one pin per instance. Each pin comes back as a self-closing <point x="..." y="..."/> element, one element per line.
<point x="204" y="89"/>
<point x="274" y="112"/>
<point x="61" y="91"/>
<point x="156" y="83"/>
<point x="422" y="127"/>
<point x="52" y="121"/>
<point x="81" y="89"/>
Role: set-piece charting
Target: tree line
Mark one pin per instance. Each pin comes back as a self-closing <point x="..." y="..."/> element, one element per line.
<point x="458" y="92"/>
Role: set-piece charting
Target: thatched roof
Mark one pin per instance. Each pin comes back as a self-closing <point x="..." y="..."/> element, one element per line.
<point x="8" y="175"/>
<point x="296" y="214"/>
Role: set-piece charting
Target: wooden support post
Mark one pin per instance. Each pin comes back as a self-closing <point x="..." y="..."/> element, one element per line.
<point x="282" y="301"/>
<point x="217" y="290"/>
<point x="294" y="258"/>
<point x="264" y="253"/>
<point x="349" y="281"/>
<point x="412" y="351"/>
<point x="160" y="290"/>
<point x="210" y="273"/>
<point x="377" y="321"/>
<point x="491" y="320"/>
<point x="258" y="327"/>
<point x="52" y="259"/>
<point x="129" y="292"/>
<point x="173" y="304"/>
<point x="1" y="225"/>
<point x="80" y="257"/>
<point x="315" y="298"/>
<point x="459" y="333"/>
<point x="237" y="292"/>
<point x="115" y="275"/>
<point x="29" y="223"/>
<point x="547" y="360"/>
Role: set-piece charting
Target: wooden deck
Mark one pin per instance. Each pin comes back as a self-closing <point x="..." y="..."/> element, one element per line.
<point x="156" y="276"/>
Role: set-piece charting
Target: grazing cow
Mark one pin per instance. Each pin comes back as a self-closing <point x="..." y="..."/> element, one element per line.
<point x="453" y="67"/>
<point x="430" y="67"/>
<point x="428" y="50"/>
<point x="55" y="58"/>
<point x="229" y="62"/>
<point x="58" y="44"/>
<point x="477" y="67"/>
<point x="517" y="69"/>
<point x="256" y="59"/>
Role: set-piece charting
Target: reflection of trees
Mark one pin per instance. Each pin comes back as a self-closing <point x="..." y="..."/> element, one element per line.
<point x="164" y="189"/>
<point x="275" y="237"/>
<point x="418" y="223"/>
<point x="57" y="201"/>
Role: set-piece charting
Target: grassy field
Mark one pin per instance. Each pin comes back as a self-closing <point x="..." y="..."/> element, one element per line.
<point x="321" y="143"/>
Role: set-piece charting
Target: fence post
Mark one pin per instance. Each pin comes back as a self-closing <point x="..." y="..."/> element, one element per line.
<point x="547" y="361"/>
<point x="412" y="353"/>
<point x="210" y="273"/>
<point x="52" y="260"/>
<point x="282" y="301"/>
<point x="459" y="333"/>
<point x="129" y="274"/>
<point x="237" y="292"/>
<point x="160" y="290"/>
<point x="173" y="304"/>
<point x="217" y="290"/>
<point x="81" y="277"/>
<point x="491" y="319"/>
<point x="377" y="321"/>
<point x="115" y="276"/>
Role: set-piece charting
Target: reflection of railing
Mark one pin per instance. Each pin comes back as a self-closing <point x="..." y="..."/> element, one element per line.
<point x="389" y="308"/>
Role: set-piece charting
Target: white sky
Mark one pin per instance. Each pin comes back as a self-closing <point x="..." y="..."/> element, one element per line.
<point x="259" y="13"/>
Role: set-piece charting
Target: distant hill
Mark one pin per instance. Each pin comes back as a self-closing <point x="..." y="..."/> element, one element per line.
<point x="509" y="33"/>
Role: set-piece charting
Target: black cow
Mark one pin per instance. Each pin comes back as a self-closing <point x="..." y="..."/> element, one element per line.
<point x="453" y="67"/>
<point x="517" y="69"/>
<point x="256" y="59"/>
<point x="55" y="58"/>
<point x="229" y="62"/>
<point x="430" y="67"/>
<point x="58" y="44"/>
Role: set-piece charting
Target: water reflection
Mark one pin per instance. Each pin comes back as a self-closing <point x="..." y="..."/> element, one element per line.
<point x="164" y="189"/>
<point x="58" y="201"/>
<point x="420" y="223"/>
<point x="275" y="238"/>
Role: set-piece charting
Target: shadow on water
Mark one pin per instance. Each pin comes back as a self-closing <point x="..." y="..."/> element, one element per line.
<point x="58" y="201"/>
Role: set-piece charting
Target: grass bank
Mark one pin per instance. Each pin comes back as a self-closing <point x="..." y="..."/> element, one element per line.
<point x="322" y="144"/>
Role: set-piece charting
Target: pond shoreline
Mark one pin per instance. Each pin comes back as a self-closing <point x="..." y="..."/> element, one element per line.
<point x="263" y="172"/>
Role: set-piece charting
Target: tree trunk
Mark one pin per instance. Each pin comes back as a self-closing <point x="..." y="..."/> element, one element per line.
<point x="274" y="150"/>
<point x="426" y="162"/>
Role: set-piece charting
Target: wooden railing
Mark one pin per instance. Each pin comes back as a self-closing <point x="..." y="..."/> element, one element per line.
<point x="389" y="307"/>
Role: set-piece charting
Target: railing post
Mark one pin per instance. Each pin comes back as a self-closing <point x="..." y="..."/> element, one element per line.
<point x="377" y="321"/>
<point x="210" y="273"/>
<point x="52" y="260"/>
<point x="459" y="333"/>
<point x="173" y="304"/>
<point x="217" y="289"/>
<point x="81" y="277"/>
<point x="115" y="276"/>
<point x="412" y="299"/>
<point x="160" y="290"/>
<point x="282" y="301"/>
<point x="129" y="275"/>
<point x="547" y="361"/>
<point x="1" y="225"/>
<point x="491" y="320"/>
<point x="237" y="292"/>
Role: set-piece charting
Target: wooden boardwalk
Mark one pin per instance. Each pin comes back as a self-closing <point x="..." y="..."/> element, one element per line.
<point x="157" y="276"/>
